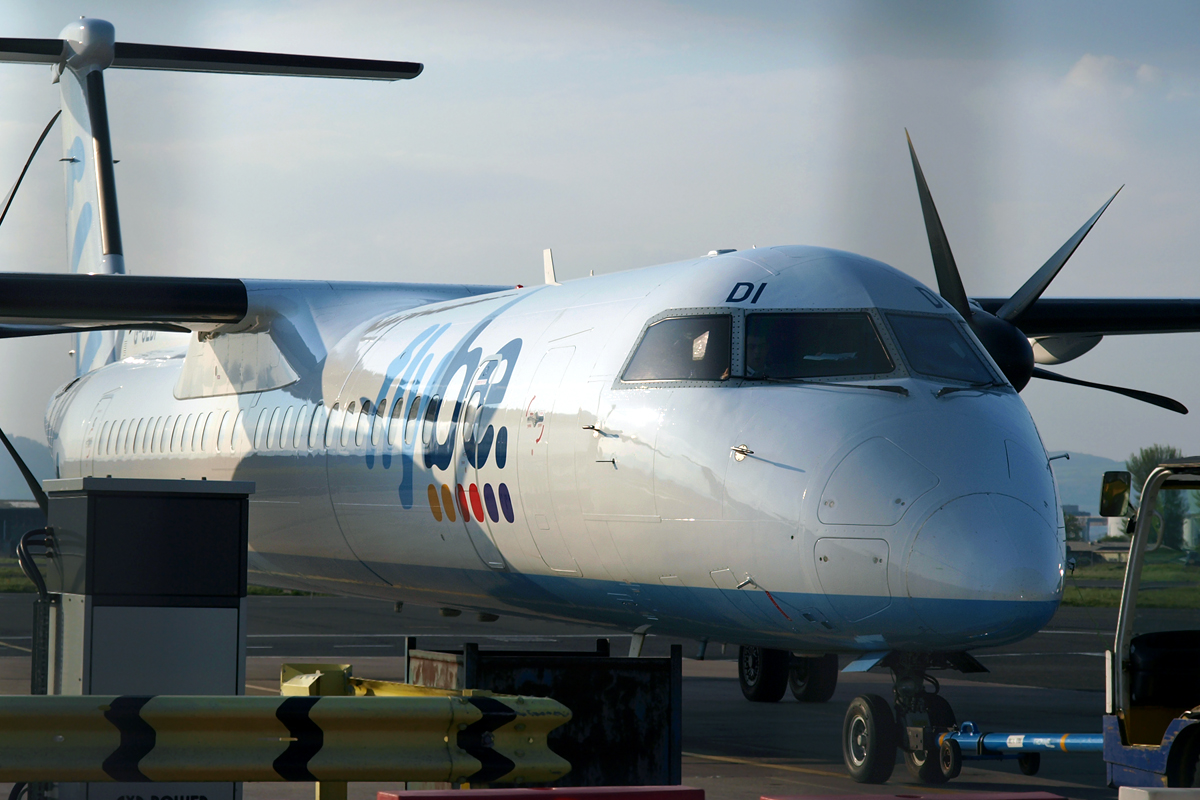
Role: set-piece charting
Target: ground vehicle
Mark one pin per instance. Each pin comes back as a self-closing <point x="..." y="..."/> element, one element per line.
<point x="1152" y="680"/>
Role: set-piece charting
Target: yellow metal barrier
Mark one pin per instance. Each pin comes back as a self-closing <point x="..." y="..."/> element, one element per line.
<point x="338" y="679"/>
<point x="473" y="738"/>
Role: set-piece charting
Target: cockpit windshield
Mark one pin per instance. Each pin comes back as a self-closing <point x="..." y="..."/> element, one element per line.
<point x="938" y="348"/>
<point x="691" y="348"/>
<point x="813" y="345"/>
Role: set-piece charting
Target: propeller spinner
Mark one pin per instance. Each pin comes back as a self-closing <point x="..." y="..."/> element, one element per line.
<point x="1000" y="333"/>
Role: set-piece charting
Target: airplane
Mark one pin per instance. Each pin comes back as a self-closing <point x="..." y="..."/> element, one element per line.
<point x="798" y="449"/>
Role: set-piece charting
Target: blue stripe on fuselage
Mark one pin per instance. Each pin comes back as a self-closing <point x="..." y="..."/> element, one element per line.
<point x="737" y="616"/>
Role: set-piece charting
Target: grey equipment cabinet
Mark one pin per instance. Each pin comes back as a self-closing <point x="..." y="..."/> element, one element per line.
<point x="147" y="582"/>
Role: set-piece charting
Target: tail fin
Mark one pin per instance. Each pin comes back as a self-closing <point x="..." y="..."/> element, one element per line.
<point x="86" y="48"/>
<point x="93" y="224"/>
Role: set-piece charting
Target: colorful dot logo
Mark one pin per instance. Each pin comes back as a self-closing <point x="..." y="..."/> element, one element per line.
<point x="475" y="501"/>
<point x="494" y="501"/>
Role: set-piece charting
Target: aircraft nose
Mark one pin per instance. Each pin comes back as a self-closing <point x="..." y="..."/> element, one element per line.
<point x="985" y="565"/>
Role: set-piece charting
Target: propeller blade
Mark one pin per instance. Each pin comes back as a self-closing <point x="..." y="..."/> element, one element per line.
<point x="1136" y="394"/>
<point x="13" y="191"/>
<point x="950" y="284"/>
<point x="1024" y="297"/>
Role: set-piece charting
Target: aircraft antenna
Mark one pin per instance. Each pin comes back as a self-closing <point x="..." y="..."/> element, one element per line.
<point x="548" y="266"/>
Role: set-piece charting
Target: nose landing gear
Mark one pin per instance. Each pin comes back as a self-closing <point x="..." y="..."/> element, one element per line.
<point x="871" y="733"/>
<point x="869" y="739"/>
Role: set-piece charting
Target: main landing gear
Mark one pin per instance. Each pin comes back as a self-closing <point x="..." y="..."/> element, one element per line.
<point x="766" y="674"/>
<point x="871" y="732"/>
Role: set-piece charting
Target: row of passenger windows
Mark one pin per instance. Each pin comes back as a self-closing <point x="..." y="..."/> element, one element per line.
<point x="290" y="428"/>
<point x="803" y="345"/>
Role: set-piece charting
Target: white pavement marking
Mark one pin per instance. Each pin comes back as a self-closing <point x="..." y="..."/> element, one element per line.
<point x="1025" y="655"/>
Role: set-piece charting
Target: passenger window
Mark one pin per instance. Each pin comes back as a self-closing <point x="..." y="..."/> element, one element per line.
<point x="164" y="441"/>
<point x="378" y="421"/>
<point x="185" y="436"/>
<point x="410" y="424"/>
<point x="139" y="436"/>
<point x="273" y="430"/>
<point x="209" y="433"/>
<point x="286" y="430"/>
<point x="349" y="422"/>
<point x="260" y="430"/>
<point x="301" y="429"/>
<point x="102" y="442"/>
<point x="937" y="347"/>
<point x="223" y="431"/>
<point x="814" y="345"/>
<point x="331" y="430"/>
<point x="364" y="421"/>
<point x="319" y="419"/>
<point x="430" y="423"/>
<point x="235" y="429"/>
<point x="683" y="349"/>
<point x="395" y="423"/>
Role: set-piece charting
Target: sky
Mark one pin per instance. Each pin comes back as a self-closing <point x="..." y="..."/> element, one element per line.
<point x="625" y="134"/>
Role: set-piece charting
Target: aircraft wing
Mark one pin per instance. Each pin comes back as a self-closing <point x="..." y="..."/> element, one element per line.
<point x="33" y="304"/>
<point x="37" y="303"/>
<point x="1103" y="317"/>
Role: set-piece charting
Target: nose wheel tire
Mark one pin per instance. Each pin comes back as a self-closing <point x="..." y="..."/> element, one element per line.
<point x="869" y="739"/>
<point x="763" y="673"/>
<point x="923" y="765"/>
<point x="813" y="680"/>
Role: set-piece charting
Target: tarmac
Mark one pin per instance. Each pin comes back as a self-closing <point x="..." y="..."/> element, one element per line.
<point x="734" y="749"/>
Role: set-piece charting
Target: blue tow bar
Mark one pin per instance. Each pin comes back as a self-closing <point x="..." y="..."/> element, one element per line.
<point x="977" y="744"/>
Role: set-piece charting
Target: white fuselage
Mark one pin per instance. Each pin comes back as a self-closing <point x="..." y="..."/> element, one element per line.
<point x="863" y="519"/>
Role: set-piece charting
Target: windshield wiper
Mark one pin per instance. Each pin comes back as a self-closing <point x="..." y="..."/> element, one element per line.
<point x="900" y="390"/>
<point x="974" y="387"/>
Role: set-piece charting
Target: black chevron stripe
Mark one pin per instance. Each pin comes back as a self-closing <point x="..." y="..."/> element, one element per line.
<point x="137" y="738"/>
<point x="292" y="764"/>
<point x="477" y="739"/>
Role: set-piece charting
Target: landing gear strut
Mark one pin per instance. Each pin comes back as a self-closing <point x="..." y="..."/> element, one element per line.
<point x="871" y="733"/>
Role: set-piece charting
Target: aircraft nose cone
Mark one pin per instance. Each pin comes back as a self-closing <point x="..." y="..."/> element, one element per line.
<point x="985" y="565"/>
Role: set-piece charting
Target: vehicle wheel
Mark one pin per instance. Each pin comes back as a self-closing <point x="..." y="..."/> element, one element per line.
<point x="1188" y="774"/>
<point x="813" y="680"/>
<point x="1029" y="763"/>
<point x="763" y="673"/>
<point x="924" y="765"/>
<point x="951" y="759"/>
<point x="869" y="739"/>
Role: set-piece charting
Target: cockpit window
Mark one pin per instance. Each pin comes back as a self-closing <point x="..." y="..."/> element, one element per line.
<point x="683" y="349"/>
<point x="937" y="347"/>
<point x="814" y="345"/>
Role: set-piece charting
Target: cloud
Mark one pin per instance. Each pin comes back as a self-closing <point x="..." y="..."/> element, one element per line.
<point x="1112" y="76"/>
